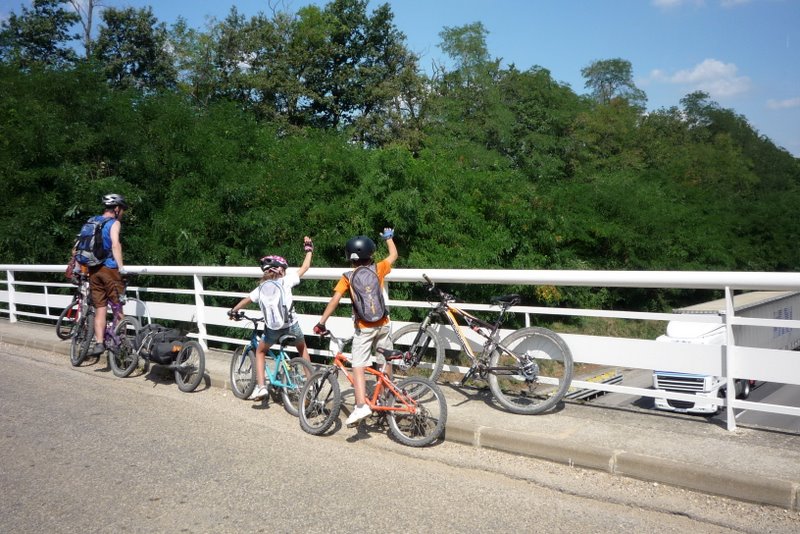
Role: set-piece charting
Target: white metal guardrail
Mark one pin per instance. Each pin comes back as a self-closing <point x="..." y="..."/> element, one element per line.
<point x="20" y="297"/>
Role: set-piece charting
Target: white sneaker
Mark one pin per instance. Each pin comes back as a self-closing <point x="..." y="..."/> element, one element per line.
<point x="259" y="393"/>
<point x="358" y="414"/>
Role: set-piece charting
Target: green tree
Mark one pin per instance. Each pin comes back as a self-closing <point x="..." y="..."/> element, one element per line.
<point x="613" y="78"/>
<point x="39" y="36"/>
<point x="467" y="102"/>
<point x="541" y="143"/>
<point x="85" y="10"/>
<point x="132" y="47"/>
<point x="192" y="52"/>
<point x="357" y="66"/>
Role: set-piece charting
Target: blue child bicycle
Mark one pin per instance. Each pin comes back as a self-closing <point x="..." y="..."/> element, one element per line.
<point x="282" y="372"/>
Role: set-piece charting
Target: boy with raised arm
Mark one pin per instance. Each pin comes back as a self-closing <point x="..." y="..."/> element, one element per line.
<point x="372" y="331"/>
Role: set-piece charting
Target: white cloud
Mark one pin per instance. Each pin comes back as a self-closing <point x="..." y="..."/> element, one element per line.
<point x="716" y="78"/>
<point x="784" y="104"/>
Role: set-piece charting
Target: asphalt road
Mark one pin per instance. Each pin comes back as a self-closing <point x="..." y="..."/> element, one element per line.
<point x="772" y="393"/>
<point x="83" y="451"/>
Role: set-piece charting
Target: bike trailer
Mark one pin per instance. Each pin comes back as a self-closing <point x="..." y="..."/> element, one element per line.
<point x="160" y="344"/>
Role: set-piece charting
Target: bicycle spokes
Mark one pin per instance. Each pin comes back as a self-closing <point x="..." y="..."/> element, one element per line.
<point x="531" y="371"/>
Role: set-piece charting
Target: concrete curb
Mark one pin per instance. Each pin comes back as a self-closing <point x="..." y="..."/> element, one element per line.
<point x="761" y="490"/>
<point x="746" y="487"/>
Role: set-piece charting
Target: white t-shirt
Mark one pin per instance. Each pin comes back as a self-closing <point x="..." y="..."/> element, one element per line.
<point x="270" y="301"/>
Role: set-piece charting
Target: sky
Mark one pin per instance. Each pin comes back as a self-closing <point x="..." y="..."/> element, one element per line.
<point x="744" y="53"/>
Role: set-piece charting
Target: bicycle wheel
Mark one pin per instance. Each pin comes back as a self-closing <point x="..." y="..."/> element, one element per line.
<point x="190" y="364"/>
<point x="294" y="374"/>
<point x="123" y="358"/>
<point x="427" y="423"/>
<point x="84" y="334"/>
<point x="425" y="345"/>
<point x="320" y="402"/>
<point x="65" y="325"/>
<point x="242" y="374"/>
<point x="536" y="376"/>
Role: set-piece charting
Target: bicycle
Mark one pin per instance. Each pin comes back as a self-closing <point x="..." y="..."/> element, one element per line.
<point x="415" y="407"/>
<point x="119" y="342"/>
<point x="528" y="372"/>
<point x="286" y="374"/>
<point x="71" y="315"/>
<point x="77" y="322"/>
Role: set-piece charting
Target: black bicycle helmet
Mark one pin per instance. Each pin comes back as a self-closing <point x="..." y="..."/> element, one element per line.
<point x="112" y="200"/>
<point x="359" y="248"/>
<point x="272" y="263"/>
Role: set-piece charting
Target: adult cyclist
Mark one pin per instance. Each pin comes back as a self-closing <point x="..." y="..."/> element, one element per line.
<point x="105" y="280"/>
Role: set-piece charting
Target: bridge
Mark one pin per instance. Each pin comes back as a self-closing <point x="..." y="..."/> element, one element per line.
<point x="647" y="444"/>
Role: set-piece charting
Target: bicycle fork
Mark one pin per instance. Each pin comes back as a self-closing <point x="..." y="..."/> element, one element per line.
<point x="416" y="350"/>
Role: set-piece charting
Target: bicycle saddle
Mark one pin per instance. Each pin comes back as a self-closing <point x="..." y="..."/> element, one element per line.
<point x="287" y="339"/>
<point x="507" y="300"/>
<point x="390" y="354"/>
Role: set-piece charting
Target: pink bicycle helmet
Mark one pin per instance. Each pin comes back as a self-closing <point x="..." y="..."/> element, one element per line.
<point x="273" y="264"/>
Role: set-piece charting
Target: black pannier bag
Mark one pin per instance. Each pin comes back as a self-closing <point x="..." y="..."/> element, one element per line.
<point x="160" y="344"/>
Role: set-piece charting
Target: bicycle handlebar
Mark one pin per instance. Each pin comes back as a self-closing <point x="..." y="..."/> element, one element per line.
<point x="504" y="301"/>
<point x="442" y="295"/>
<point x="340" y="342"/>
<point x="238" y="316"/>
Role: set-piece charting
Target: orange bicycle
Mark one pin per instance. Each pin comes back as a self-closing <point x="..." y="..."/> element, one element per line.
<point x="415" y="407"/>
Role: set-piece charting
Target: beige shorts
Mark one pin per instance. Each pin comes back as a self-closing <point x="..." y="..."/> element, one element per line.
<point x="366" y="343"/>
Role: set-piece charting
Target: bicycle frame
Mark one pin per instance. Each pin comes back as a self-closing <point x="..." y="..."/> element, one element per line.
<point x="487" y="330"/>
<point x="111" y="326"/>
<point x="73" y="315"/>
<point x="116" y="316"/>
<point x="382" y="383"/>
<point x="281" y="358"/>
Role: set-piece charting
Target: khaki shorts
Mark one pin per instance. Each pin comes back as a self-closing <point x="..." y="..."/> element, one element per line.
<point x="106" y="285"/>
<point x="365" y="343"/>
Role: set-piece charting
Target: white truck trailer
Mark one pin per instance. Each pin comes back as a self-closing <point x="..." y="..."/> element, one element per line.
<point x="756" y="304"/>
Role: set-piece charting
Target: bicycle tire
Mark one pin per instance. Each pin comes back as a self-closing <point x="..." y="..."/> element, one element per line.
<point x="124" y="358"/>
<point x="84" y="333"/>
<point x="320" y="402"/>
<point x="242" y="372"/>
<point x="427" y="424"/>
<point x="427" y="344"/>
<point x="190" y="366"/>
<point x="299" y="370"/>
<point x="553" y="362"/>
<point x="65" y="325"/>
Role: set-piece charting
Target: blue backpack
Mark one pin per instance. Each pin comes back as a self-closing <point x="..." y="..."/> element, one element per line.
<point x="90" y="250"/>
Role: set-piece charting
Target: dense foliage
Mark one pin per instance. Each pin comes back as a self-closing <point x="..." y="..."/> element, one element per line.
<point x="238" y="139"/>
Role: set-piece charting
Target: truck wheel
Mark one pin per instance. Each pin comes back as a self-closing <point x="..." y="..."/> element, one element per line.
<point x="745" y="389"/>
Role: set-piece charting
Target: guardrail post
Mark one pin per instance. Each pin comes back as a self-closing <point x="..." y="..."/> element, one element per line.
<point x="12" y="305"/>
<point x="200" y="310"/>
<point x="730" y="349"/>
<point x="46" y="301"/>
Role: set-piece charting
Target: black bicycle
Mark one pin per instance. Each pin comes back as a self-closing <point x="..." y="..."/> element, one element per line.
<point x="528" y="372"/>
